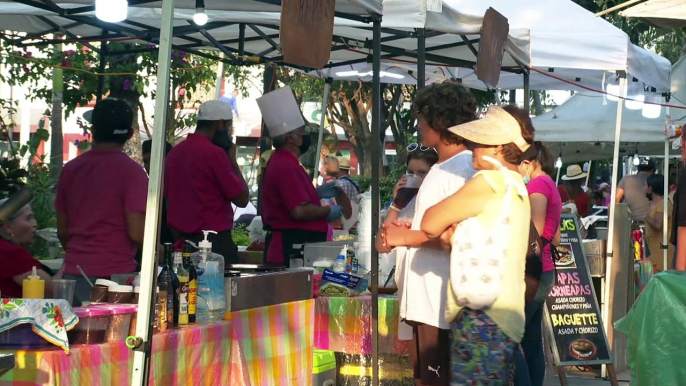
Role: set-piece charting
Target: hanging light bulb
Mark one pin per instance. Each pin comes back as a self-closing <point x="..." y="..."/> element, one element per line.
<point x="635" y="95"/>
<point x="200" y="17"/>
<point x="636" y="160"/>
<point x="111" y="11"/>
<point x="558" y="163"/>
<point x="652" y="111"/>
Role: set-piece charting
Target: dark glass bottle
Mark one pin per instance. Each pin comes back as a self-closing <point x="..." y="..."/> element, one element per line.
<point x="169" y="263"/>
<point x="192" y="283"/>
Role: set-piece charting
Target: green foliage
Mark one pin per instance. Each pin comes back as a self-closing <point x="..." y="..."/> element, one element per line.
<point x="12" y="176"/>
<point x="240" y="236"/>
<point x="386" y="184"/>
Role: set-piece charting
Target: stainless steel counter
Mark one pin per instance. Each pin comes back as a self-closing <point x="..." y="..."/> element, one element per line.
<point x="7" y="363"/>
<point x="260" y="289"/>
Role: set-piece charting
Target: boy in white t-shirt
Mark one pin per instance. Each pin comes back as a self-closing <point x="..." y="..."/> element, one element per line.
<point x="427" y="263"/>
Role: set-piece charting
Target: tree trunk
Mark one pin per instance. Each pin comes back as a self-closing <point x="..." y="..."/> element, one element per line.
<point x="513" y="97"/>
<point x="56" y="137"/>
<point x="538" y="105"/>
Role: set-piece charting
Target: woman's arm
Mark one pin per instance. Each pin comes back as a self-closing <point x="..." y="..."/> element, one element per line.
<point x="539" y="207"/>
<point x="467" y="202"/>
<point x="655" y="221"/>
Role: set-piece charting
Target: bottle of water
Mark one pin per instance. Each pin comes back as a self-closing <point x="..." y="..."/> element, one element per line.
<point x="211" y="300"/>
<point x="339" y="267"/>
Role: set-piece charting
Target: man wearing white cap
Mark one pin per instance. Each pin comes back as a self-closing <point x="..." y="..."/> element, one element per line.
<point x="291" y="209"/>
<point x="202" y="180"/>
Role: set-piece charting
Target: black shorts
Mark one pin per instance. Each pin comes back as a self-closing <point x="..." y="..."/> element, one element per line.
<point x="430" y="354"/>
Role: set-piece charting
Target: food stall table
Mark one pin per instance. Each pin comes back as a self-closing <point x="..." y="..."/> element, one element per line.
<point x="345" y="325"/>
<point x="199" y="354"/>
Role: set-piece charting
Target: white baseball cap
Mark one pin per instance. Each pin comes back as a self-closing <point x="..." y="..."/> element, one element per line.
<point x="215" y="110"/>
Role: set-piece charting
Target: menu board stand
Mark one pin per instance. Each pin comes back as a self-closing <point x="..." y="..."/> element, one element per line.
<point x="573" y="322"/>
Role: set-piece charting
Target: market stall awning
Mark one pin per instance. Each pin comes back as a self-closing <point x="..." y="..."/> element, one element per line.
<point x="248" y="31"/>
<point x="571" y="43"/>
<point x="583" y="127"/>
<point x="659" y="13"/>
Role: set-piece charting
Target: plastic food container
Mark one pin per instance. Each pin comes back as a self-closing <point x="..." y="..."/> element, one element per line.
<point x="106" y="283"/>
<point x="92" y="325"/>
<point x="120" y="294"/>
<point x="99" y="293"/>
<point x="120" y="320"/>
<point x="22" y="336"/>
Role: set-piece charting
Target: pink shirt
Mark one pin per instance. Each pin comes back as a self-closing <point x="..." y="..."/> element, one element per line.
<point x="546" y="186"/>
<point x="285" y="186"/>
<point x="199" y="185"/>
<point x="95" y="191"/>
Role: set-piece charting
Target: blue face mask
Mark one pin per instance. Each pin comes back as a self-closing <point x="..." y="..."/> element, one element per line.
<point x="527" y="179"/>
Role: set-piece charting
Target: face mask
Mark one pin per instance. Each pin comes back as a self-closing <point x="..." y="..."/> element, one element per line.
<point x="307" y="142"/>
<point x="527" y="177"/>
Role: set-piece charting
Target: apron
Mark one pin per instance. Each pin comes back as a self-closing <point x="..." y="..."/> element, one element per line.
<point x="291" y="240"/>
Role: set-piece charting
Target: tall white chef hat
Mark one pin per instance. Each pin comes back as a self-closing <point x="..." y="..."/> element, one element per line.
<point x="280" y="111"/>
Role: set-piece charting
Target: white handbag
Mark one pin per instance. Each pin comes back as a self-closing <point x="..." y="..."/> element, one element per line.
<point x="478" y="255"/>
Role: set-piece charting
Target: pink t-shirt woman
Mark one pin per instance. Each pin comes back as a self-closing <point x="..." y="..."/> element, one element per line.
<point x="546" y="186"/>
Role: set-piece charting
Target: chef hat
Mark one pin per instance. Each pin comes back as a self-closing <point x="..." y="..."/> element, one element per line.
<point x="280" y="112"/>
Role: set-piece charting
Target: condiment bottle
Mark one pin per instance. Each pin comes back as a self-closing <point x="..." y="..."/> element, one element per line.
<point x="182" y="274"/>
<point x="33" y="286"/>
<point x="192" y="283"/>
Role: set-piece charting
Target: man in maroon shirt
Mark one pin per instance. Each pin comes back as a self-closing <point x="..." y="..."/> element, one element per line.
<point x="202" y="179"/>
<point x="291" y="209"/>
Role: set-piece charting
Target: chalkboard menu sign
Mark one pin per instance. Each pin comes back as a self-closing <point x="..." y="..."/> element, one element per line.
<point x="571" y="307"/>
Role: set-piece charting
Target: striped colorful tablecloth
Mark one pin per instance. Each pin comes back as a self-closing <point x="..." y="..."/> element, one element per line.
<point x="276" y="343"/>
<point x="345" y="325"/>
<point x="198" y="355"/>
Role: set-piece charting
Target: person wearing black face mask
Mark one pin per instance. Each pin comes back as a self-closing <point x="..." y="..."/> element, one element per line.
<point x="202" y="180"/>
<point x="290" y="206"/>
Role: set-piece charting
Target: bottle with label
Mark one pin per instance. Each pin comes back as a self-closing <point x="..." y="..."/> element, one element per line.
<point x="349" y="257"/>
<point x="211" y="304"/>
<point x="184" y="289"/>
<point x="164" y="281"/>
<point x="169" y="261"/>
<point x="339" y="266"/>
<point x="192" y="282"/>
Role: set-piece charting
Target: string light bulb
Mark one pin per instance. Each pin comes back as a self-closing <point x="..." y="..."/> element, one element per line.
<point x="558" y="163"/>
<point x="111" y="11"/>
<point x="636" y="160"/>
<point x="652" y="111"/>
<point x="200" y="17"/>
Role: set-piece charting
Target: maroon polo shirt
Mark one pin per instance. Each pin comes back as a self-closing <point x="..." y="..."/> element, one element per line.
<point x="285" y="186"/>
<point x="199" y="185"/>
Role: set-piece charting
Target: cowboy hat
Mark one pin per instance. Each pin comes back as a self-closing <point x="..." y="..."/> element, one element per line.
<point x="344" y="163"/>
<point x="574" y="172"/>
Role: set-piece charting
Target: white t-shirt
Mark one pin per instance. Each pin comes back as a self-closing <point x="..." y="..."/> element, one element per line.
<point x="427" y="271"/>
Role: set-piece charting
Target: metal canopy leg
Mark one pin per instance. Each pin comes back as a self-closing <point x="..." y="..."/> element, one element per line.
<point x="376" y="153"/>
<point x="607" y="281"/>
<point x="527" y="87"/>
<point x="141" y="358"/>
<point x="322" y="121"/>
<point x="421" y="64"/>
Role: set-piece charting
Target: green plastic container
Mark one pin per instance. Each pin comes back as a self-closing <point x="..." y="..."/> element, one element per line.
<point x="323" y="361"/>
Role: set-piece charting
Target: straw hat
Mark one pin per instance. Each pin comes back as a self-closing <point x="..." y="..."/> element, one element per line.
<point x="344" y="163"/>
<point x="498" y="127"/>
<point x="574" y="172"/>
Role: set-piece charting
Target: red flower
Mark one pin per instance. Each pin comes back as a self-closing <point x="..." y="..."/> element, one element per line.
<point x="58" y="317"/>
<point x="5" y="301"/>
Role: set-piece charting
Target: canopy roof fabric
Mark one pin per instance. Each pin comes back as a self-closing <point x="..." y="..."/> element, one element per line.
<point x="660" y="13"/>
<point x="574" y="43"/>
<point x="583" y="127"/>
<point x="247" y="31"/>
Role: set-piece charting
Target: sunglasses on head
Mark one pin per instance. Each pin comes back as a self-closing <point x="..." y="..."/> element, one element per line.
<point x="414" y="146"/>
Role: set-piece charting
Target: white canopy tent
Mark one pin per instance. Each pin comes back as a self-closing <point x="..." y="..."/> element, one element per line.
<point x="660" y="13"/>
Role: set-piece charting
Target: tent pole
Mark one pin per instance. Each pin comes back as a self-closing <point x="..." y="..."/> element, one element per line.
<point x="376" y="153"/>
<point x="607" y="281"/>
<point x="421" y="65"/>
<point x="665" y="202"/>
<point x="588" y="175"/>
<point x="527" y="87"/>
<point x="141" y="356"/>
<point x="322" y="121"/>
<point x="101" y="69"/>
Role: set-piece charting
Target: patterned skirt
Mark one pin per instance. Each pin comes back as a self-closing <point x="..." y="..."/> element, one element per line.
<point x="481" y="353"/>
